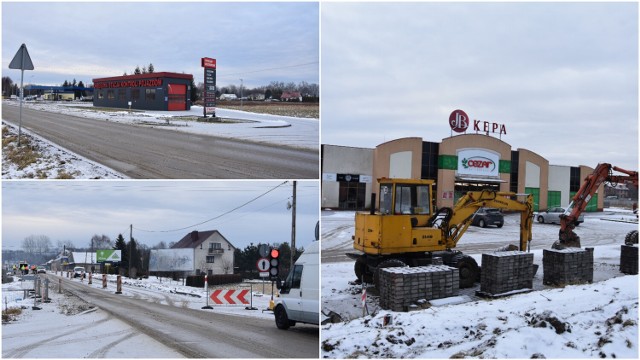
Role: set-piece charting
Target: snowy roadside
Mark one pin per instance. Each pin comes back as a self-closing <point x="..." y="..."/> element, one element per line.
<point x="590" y="320"/>
<point x="67" y="327"/>
<point x="48" y="160"/>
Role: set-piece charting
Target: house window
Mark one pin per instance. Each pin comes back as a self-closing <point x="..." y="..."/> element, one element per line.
<point x="150" y="94"/>
<point x="100" y="94"/>
<point x="122" y="94"/>
<point x="110" y="95"/>
<point x="215" y="246"/>
<point x="210" y="259"/>
<point x="135" y="94"/>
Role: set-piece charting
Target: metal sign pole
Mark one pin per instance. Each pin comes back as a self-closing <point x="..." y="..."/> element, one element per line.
<point x="21" y="61"/>
<point x="21" y="99"/>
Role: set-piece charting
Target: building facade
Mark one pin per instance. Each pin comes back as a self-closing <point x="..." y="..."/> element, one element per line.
<point x="458" y="164"/>
<point x="213" y="253"/>
<point x="346" y="177"/>
<point x="153" y="91"/>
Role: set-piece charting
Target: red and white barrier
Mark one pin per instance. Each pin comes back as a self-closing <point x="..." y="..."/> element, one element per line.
<point x="230" y="297"/>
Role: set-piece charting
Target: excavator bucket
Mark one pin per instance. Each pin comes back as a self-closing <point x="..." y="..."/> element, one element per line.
<point x="567" y="239"/>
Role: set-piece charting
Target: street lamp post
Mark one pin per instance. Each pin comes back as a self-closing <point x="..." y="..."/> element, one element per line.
<point x="241" y="94"/>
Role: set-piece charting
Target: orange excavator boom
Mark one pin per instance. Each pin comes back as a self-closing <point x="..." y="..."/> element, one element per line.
<point x="602" y="173"/>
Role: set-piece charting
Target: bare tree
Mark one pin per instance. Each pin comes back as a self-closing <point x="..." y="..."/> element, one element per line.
<point x="100" y="242"/>
<point x="227" y="265"/>
<point x="29" y="244"/>
<point x="36" y="244"/>
<point x="62" y="244"/>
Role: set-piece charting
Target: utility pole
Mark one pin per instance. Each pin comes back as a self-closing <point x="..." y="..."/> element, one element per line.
<point x="130" y="241"/>
<point x="293" y="226"/>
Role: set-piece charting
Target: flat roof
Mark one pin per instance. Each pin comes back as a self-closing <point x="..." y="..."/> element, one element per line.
<point x="146" y="76"/>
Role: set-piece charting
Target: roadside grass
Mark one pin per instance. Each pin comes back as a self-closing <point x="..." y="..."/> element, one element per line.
<point x="10" y="314"/>
<point x="28" y="154"/>
<point x="21" y="157"/>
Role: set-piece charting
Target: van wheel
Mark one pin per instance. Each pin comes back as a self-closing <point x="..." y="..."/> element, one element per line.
<point x="282" y="320"/>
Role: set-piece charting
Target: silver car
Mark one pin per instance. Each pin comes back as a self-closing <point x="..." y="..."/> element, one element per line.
<point x="553" y="216"/>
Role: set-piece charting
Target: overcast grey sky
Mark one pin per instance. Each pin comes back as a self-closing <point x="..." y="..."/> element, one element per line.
<point x="76" y="210"/>
<point x="562" y="77"/>
<point x="258" y="42"/>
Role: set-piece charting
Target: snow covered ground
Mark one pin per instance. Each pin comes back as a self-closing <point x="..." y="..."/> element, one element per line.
<point x="579" y="321"/>
<point x="59" y="162"/>
<point x="54" y="161"/>
<point x="68" y="328"/>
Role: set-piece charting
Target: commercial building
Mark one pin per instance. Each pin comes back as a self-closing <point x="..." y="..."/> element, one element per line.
<point x="458" y="164"/>
<point x="153" y="91"/>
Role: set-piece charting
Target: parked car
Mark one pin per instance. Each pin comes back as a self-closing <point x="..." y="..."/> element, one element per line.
<point x="552" y="215"/>
<point x="488" y="216"/>
<point x="78" y="271"/>
<point x="42" y="270"/>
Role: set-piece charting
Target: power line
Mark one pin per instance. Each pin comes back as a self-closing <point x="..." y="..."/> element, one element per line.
<point x="219" y="216"/>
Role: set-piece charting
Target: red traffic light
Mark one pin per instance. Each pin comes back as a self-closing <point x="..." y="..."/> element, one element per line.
<point x="275" y="253"/>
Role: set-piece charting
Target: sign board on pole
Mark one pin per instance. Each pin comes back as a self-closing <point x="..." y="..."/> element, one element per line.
<point x="22" y="60"/>
<point x="263" y="250"/>
<point x="108" y="255"/>
<point x="209" y="66"/>
<point x="172" y="260"/>
<point x="263" y="265"/>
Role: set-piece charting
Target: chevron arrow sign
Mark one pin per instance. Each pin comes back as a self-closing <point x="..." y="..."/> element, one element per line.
<point x="230" y="297"/>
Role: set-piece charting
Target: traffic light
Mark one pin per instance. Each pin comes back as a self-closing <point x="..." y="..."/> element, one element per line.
<point x="274" y="262"/>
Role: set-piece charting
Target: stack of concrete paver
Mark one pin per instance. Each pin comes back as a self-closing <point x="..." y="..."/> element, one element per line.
<point x="567" y="266"/>
<point x="505" y="272"/>
<point x="629" y="260"/>
<point x="402" y="286"/>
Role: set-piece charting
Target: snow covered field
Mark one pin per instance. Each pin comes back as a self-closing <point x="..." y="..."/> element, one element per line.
<point x="591" y="320"/>
<point x="67" y="327"/>
<point x="59" y="162"/>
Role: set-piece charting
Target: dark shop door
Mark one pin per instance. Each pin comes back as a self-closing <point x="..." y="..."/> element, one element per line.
<point x="352" y="195"/>
<point x="177" y="97"/>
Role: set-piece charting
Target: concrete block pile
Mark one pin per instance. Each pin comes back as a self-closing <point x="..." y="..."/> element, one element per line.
<point x="506" y="271"/>
<point x="567" y="266"/>
<point x="401" y="287"/>
<point x="629" y="259"/>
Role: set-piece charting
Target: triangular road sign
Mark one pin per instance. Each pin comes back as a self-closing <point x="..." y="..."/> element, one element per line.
<point x="22" y="60"/>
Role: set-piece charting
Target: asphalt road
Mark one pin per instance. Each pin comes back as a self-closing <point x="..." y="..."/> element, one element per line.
<point x="148" y="153"/>
<point x="198" y="334"/>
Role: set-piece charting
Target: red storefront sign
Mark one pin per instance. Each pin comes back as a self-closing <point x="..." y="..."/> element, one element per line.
<point x="208" y="63"/>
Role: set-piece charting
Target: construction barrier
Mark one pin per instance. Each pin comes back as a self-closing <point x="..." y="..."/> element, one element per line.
<point x="104" y="281"/>
<point x="119" y="285"/>
<point x="230" y="297"/>
<point x="90" y="275"/>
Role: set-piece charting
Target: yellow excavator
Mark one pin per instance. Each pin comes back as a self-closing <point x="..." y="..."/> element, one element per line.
<point x="408" y="231"/>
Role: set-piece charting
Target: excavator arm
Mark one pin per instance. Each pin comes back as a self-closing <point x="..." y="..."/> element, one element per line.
<point x="455" y="225"/>
<point x="602" y="173"/>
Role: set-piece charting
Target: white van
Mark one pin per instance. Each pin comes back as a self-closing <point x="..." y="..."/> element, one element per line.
<point x="299" y="299"/>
